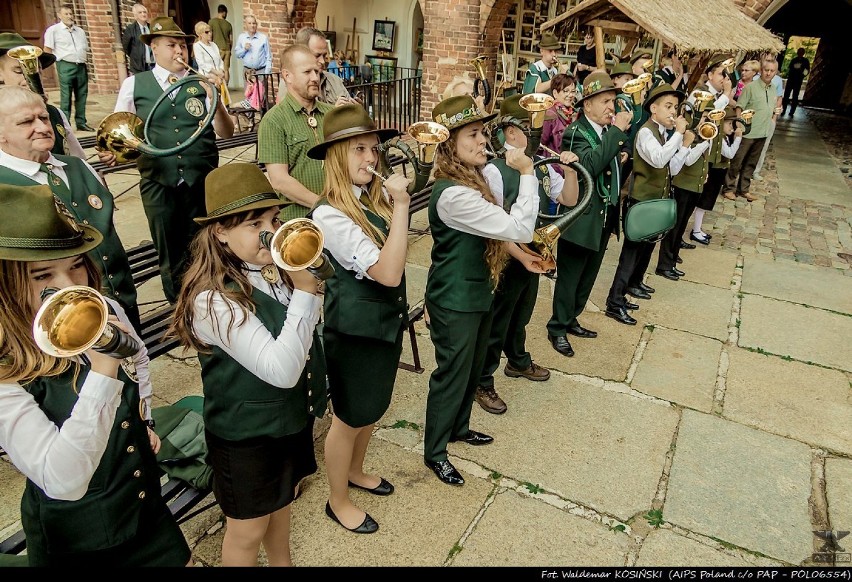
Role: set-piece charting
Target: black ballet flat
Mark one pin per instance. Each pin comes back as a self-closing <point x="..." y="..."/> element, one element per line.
<point x="383" y="488"/>
<point x="367" y="526"/>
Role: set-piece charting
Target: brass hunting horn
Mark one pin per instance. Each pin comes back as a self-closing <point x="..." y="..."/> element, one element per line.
<point x="480" y="84"/>
<point x="536" y="104"/>
<point x="27" y="57"/>
<point x="427" y="134"/>
<point x="73" y="320"/>
<point x="297" y="245"/>
<point x="745" y="118"/>
<point x="127" y="137"/>
<point x="632" y="89"/>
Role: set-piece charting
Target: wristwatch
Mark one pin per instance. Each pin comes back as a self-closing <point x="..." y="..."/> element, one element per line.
<point x="150" y="423"/>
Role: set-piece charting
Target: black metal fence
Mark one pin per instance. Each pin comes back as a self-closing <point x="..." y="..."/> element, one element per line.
<point x="394" y="101"/>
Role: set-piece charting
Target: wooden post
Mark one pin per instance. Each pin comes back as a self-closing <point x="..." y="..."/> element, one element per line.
<point x="600" y="58"/>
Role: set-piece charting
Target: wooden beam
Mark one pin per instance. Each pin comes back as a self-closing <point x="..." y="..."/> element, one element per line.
<point x="613" y="25"/>
<point x="600" y="58"/>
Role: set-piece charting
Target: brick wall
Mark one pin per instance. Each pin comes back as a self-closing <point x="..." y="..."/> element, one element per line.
<point x="274" y="21"/>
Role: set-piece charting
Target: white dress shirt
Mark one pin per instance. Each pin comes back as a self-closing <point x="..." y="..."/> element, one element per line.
<point x="721" y="100"/>
<point x="207" y="57"/>
<point x="464" y="209"/>
<point x="68" y="44"/>
<point x="648" y="147"/>
<point x="124" y="101"/>
<point x="275" y="360"/>
<point x="729" y="151"/>
<point x="346" y="241"/>
<point x="686" y="156"/>
<point x="32" y="169"/>
<point x="61" y="461"/>
<point x="495" y="180"/>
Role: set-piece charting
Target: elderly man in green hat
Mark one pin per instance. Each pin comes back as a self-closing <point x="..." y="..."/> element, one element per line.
<point x="11" y="73"/>
<point x="172" y="187"/>
<point x="541" y="72"/>
<point x="516" y="293"/>
<point x="597" y="138"/>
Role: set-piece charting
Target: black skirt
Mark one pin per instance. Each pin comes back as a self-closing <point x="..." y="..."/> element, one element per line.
<point x="361" y="374"/>
<point x="258" y="476"/>
<point x="708" y="196"/>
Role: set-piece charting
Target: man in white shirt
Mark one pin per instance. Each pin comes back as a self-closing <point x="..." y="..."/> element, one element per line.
<point x="69" y="44"/>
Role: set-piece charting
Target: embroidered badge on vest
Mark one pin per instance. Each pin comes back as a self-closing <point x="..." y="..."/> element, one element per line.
<point x="192" y="90"/>
<point x="95" y="202"/>
<point x="195" y="107"/>
<point x="129" y="368"/>
<point x="63" y="210"/>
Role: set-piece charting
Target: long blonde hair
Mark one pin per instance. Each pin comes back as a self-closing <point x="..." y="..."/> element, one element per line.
<point x="338" y="192"/>
<point x="21" y="360"/>
<point x="214" y="267"/>
<point x="448" y="165"/>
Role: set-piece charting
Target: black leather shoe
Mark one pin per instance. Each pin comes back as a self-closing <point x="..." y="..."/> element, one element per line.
<point x="703" y="241"/>
<point x="561" y="345"/>
<point x="445" y="471"/>
<point x="686" y="245"/>
<point x="631" y="306"/>
<point x="638" y="293"/>
<point x="85" y="127"/>
<point x="668" y="274"/>
<point x="678" y="272"/>
<point x="581" y="331"/>
<point x="646" y="288"/>
<point x="678" y="260"/>
<point x="367" y="526"/>
<point x="383" y="488"/>
<point x="474" y="438"/>
<point x="620" y="315"/>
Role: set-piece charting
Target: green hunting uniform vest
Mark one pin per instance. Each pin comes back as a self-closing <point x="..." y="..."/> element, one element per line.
<point x="512" y="185"/>
<point x="691" y="178"/>
<point x="175" y="122"/>
<point x="362" y="307"/>
<point x="60" y="143"/>
<point x="459" y="278"/>
<point x="650" y="183"/>
<point x="533" y="77"/>
<point x="91" y="203"/>
<point x="238" y="405"/>
<point x="124" y="487"/>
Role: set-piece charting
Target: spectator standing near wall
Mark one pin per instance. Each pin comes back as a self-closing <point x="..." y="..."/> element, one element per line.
<point x="796" y="73"/>
<point x="68" y="42"/>
<point x="778" y="84"/>
<point x="139" y="54"/>
<point x="223" y="36"/>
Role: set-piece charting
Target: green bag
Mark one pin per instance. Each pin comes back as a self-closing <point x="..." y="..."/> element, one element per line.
<point x="650" y="220"/>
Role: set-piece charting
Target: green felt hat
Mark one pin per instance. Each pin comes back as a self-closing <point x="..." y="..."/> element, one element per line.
<point x="234" y="189"/>
<point x="662" y="90"/>
<point x="549" y="41"/>
<point x="42" y="229"/>
<point x="622" y="69"/>
<point x="165" y="26"/>
<point x="344" y="122"/>
<point x="730" y="112"/>
<point x="10" y="40"/>
<point x="597" y="82"/>
<point x="456" y="112"/>
<point x="511" y="106"/>
<point x="715" y="60"/>
<point x="640" y="53"/>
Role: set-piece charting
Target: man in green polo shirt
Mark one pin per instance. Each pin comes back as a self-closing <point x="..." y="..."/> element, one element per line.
<point x="290" y="129"/>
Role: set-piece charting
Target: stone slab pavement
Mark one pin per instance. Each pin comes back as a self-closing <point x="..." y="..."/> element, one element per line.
<point x="715" y="432"/>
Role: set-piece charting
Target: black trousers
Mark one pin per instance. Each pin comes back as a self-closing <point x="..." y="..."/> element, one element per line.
<point x="514" y="302"/>
<point x="632" y="264"/>
<point x="738" y="177"/>
<point x="791" y="95"/>
<point x="670" y="245"/>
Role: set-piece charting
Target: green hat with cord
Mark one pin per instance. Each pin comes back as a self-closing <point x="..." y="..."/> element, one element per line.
<point x="164" y="26"/>
<point x="456" y="112"/>
<point x="234" y="189"/>
<point x="662" y="90"/>
<point x="345" y="122"/>
<point x="597" y="82"/>
<point x="43" y="229"/>
<point x="512" y="106"/>
<point x="10" y="40"/>
<point x="549" y="41"/>
<point x="622" y="69"/>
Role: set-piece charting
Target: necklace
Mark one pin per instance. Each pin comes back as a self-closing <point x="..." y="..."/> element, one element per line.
<point x="269" y="273"/>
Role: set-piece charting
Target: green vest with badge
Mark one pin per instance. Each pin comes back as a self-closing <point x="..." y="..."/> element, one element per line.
<point x="691" y="178"/>
<point x="238" y="405"/>
<point x="362" y="307"/>
<point x="177" y="119"/>
<point x="650" y="183"/>
<point x="458" y="278"/>
<point x="124" y="488"/>
<point x="512" y="185"/>
<point x="60" y="143"/>
<point x="91" y="203"/>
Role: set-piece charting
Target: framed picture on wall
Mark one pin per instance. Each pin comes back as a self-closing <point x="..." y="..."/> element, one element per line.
<point x="331" y="37"/>
<point x="383" y="68"/>
<point x="383" y="35"/>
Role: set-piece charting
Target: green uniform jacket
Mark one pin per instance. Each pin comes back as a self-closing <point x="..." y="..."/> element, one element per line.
<point x="109" y="256"/>
<point x="600" y="158"/>
<point x="238" y="405"/>
<point x="362" y="307"/>
<point x="533" y="76"/>
<point x="176" y="121"/>
<point x="124" y="487"/>
<point x="60" y="144"/>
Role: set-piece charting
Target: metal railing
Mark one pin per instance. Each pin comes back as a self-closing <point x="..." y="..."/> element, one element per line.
<point x="394" y="100"/>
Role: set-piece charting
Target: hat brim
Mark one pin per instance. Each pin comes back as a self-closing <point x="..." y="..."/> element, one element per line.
<point x="147" y="38"/>
<point x="482" y="118"/>
<point x="318" y="152"/>
<point x="91" y="239"/>
<point x="259" y="205"/>
<point x="554" y="47"/>
<point x="680" y="97"/>
<point x="598" y="92"/>
<point x="635" y="58"/>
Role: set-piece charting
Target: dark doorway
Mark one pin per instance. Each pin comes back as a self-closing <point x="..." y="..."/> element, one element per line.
<point x="26" y="17"/>
<point x="188" y="12"/>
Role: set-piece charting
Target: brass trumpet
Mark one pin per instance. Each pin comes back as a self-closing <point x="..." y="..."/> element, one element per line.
<point x="73" y="320"/>
<point x="728" y="65"/>
<point x="27" y="57"/>
<point x="297" y="245"/>
<point x="480" y="84"/>
<point x="716" y="116"/>
<point x="536" y="104"/>
<point x="745" y="118"/>
<point x="707" y="130"/>
<point x="646" y="78"/>
<point x="703" y="99"/>
<point x="427" y="134"/>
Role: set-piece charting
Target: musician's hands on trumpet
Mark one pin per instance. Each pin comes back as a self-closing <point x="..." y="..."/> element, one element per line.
<point x="518" y="160"/>
<point x="622" y="120"/>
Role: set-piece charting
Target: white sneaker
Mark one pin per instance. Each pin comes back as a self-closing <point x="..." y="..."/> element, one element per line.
<point x="757" y="178"/>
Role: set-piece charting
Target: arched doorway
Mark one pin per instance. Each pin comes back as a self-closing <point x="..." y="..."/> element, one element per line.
<point x="27" y="18"/>
<point x="187" y="12"/>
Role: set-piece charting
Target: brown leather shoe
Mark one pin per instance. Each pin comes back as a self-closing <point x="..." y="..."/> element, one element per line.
<point x="729" y="195"/>
<point x="747" y="196"/>
<point x="535" y="372"/>
<point x="489" y="400"/>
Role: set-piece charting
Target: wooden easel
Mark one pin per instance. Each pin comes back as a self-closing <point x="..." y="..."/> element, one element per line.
<point x="352" y="42"/>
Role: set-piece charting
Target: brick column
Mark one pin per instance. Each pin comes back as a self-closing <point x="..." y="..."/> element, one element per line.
<point x="277" y="24"/>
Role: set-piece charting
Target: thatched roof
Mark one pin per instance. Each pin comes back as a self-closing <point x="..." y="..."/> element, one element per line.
<point x="694" y="26"/>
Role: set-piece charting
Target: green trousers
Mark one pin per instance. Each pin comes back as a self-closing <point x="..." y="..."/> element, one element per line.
<point x="170" y="212"/>
<point x="460" y="339"/>
<point x="514" y="302"/>
<point x="73" y="80"/>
